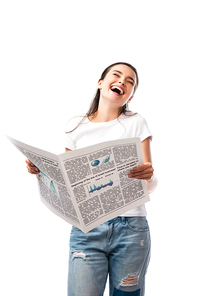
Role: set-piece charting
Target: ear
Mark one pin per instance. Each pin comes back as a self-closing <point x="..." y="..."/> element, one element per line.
<point x="129" y="100"/>
<point x="100" y="84"/>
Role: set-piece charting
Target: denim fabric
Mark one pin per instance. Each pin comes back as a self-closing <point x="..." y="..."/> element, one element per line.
<point x="119" y="248"/>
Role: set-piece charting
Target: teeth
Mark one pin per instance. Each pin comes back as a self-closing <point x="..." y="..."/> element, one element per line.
<point x="116" y="87"/>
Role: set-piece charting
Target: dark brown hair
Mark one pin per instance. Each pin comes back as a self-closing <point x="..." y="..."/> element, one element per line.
<point x="95" y="102"/>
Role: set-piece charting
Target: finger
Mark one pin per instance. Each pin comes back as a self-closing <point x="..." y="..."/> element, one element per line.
<point x="29" y="162"/>
<point x="143" y="176"/>
<point x="33" y="170"/>
<point x="145" y="173"/>
<point x="30" y="171"/>
<point x="148" y="170"/>
<point x="142" y="167"/>
<point x="31" y="165"/>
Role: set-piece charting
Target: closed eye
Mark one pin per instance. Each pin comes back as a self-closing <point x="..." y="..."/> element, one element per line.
<point x="131" y="82"/>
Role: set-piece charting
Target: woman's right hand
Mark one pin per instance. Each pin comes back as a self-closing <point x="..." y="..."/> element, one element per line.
<point x="32" y="169"/>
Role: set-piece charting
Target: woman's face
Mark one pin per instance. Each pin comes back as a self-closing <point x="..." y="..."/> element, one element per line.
<point x="118" y="85"/>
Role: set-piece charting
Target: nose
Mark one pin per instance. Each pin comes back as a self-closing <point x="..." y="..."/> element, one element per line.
<point x="121" y="82"/>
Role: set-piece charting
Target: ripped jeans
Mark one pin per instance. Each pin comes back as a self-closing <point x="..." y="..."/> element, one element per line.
<point x="120" y="248"/>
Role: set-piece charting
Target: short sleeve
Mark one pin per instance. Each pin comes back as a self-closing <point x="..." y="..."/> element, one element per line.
<point x="142" y="130"/>
<point x="69" y="141"/>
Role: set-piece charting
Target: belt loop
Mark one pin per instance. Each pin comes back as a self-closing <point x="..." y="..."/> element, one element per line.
<point x="123" y="220"/>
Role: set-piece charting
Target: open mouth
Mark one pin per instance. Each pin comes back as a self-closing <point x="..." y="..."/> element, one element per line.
<point x="117" y="90"/>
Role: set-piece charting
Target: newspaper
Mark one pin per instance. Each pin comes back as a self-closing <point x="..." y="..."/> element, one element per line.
<point x="89" y="186"/>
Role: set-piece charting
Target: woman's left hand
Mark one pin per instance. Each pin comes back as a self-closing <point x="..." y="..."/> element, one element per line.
<point x="142" y="172"/>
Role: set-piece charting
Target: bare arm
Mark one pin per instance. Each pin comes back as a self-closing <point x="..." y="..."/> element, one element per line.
<point x="145" y="171"/>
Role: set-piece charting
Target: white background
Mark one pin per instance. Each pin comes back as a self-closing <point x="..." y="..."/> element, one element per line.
<point x="52" y="54"/>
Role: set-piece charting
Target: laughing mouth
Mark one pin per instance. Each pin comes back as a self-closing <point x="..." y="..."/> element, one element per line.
<point x="117" y="90"/>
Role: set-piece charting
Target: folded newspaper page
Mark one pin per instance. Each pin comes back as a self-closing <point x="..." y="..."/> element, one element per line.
<point x="89" y="186"/>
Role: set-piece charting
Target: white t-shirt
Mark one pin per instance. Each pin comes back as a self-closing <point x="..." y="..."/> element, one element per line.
<point x="90" y="133"/>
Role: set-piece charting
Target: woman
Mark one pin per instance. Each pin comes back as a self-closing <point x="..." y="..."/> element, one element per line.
<point x="120" y="247"/>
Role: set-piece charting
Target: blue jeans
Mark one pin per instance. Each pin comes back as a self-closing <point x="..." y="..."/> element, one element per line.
<point x="120" y="248"/>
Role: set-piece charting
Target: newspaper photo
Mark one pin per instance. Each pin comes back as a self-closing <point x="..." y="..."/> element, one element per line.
<point x="89" y="186"/>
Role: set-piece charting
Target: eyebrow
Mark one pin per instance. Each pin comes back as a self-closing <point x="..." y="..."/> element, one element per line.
<point x="122" y="73"/>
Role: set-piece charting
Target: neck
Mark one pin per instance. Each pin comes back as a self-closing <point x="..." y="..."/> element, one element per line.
<point x="105" y="114"/>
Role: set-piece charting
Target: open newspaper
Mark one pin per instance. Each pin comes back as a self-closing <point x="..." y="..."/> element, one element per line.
<point x="89" y="186"/>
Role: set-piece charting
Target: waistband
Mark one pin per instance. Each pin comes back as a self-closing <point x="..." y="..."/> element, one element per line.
<point x="121" y="218"/>
<point x="116" y="219"/>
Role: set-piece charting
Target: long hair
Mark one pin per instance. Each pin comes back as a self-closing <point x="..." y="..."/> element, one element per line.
<point x="95" y="102"/>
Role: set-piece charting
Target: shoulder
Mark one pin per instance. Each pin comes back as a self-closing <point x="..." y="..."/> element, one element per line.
<point x="132" y="118"/>
<point x="140" y="119"/>
<point x="74" y="122"/>
<point x="136" y="126"/>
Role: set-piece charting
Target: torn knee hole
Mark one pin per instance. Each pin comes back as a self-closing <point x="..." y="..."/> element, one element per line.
<point x="130" y="280"/>
<point x="78" y="255"/>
